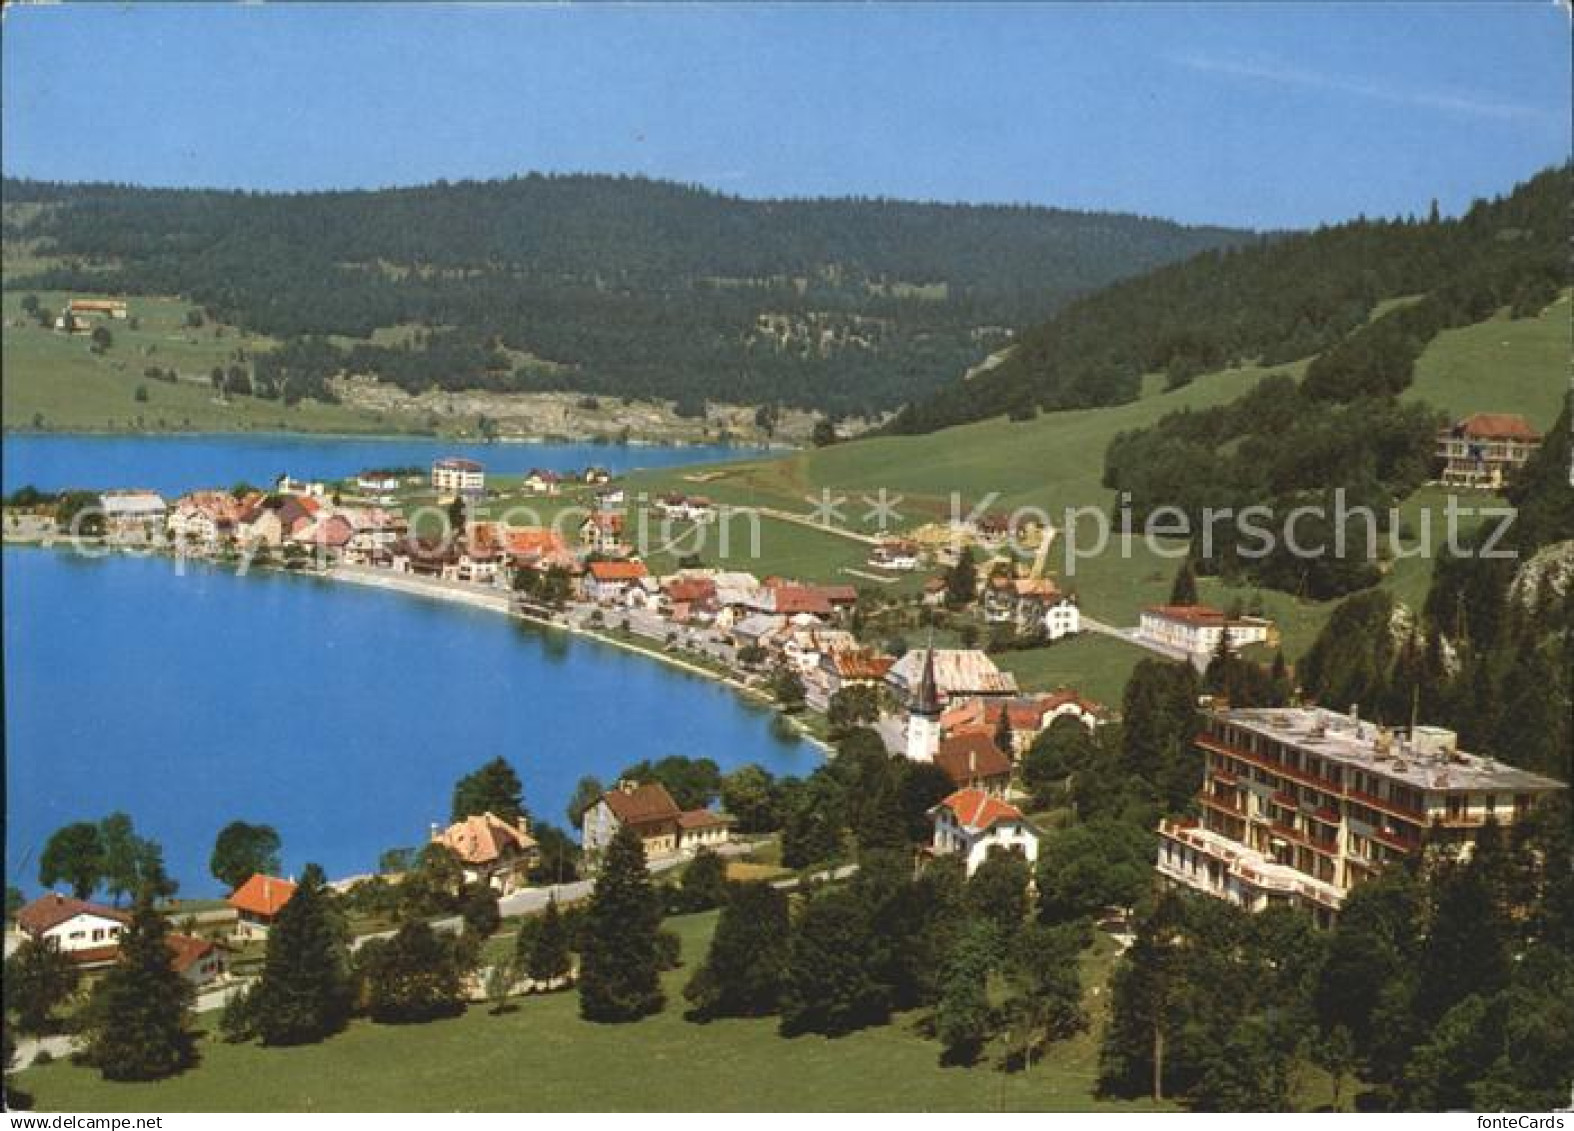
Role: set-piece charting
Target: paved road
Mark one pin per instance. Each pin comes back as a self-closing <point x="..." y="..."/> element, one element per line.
<point x="1131" y="636"/>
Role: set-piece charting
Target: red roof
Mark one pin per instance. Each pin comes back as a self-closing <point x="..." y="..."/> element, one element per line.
<point x="702" y="819"/>
<point x="606" y="521"/>
<point x="971" y="757"/>
<point x="456" y="463"/>
<point x="1496" y="426"/>
<point x="186" y="951"/>
<point x="535" y="540"/>
<point x="49" y="911"/>
<point x="262" y="895"/>
<point x="1188" y="614"/>
<point x="690" y="590"/>
<point x="978" y="810"/>
<point x="618" y="571"/>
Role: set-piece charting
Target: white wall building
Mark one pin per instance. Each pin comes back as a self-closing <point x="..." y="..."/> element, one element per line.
<point x="971" y="824"/>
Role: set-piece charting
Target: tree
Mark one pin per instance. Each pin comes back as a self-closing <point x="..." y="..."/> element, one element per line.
<point x="1044" y="989"/>
<point x="479" y="910"/>
<point x="618" y="978"/>
<point x="39" y="978"/>
<point x="548" y="958"/>
<point x="138" y="1028"/>
<point x="1334" y="1052"/>
<point x="587" y="791"/>
<point x="787" y="687"/>
<point x="102" y="339"/>
<point x="831" y="984"/>
<point x="557" y="859"/>
<point x="305" y="992"/>
<point x="998" y="892"/>
<point x="961" y="580"/>
<point x="1159" y="715"/>
<point x="743" y="971"/>
<point x="853" y="706"/>
<point x="704" y="883"/>
<point x="242" y="851"/>
<point x="964" y="1021"/>
<point x="1086" y="868"/>
<point x="417" y="975"/>
<point x="434" y="886"/>
<point x="1184" y="590"/>
<point x="74" y="855"/>
<point x="823" y="434"/>
<point x="494" y="788"/>
<point x="1057" y="755"/>
<point x="1143" y="1011"/>
<point x="749" y="794"/>
<point x="456" y="518"/>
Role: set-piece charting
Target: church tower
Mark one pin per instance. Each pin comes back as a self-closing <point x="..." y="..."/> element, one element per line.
<point x="923" y="714"/>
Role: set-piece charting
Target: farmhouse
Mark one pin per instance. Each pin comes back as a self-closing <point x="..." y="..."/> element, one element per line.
<point x="971" y="824"/>
<point x="257" y="903"/>
<point x="1485" y="449"/>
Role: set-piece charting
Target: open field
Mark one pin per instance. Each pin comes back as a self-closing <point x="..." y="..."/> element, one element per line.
<point x="543" y="1057"/>
<point x="1500" y="365"/>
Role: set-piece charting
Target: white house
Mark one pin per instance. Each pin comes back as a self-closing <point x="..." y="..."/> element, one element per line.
<point x="1195" y="629"/>
<point x="72" y="925"/>
<point x="134" y="511"/>
<point x="971" y="824"/>
<point x="454" y="475"/>
<point x="1062" y="617"/>
<point x="540" y="482"/>
<point x="376" y="482"/>
<point x="609" y="582"/>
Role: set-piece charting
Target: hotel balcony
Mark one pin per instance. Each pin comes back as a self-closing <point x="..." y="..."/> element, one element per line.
<point x="1202" y="859"/>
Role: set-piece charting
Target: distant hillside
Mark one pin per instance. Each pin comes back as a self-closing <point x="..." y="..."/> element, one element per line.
<point x="618" y="286"/>
<point x="1275" y="300"/>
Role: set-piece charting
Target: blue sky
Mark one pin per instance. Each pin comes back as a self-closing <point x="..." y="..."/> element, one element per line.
<point x="1256" y="114"/>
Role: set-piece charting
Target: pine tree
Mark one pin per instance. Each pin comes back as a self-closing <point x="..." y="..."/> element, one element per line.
<point x="832" y="984"/>
<point x="549" y="958"/>
<point x="39" y="977"/>
<point x="138" y="1030"/>
<point x="619" y="967"/>
<point x="964" y="1021"/>
<point x="417" y="975"/>
<point x="1184" y="591"/>
<point x="305" y="992"/>
<point x="742" y="974"/>
<point x="493" y="788"/>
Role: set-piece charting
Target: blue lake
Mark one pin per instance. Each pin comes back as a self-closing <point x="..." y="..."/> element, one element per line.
<point x="172" y="465"/>
<point x="340" y="715"/>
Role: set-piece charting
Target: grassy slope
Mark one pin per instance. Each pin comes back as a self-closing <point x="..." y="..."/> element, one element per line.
<point x="1056" y="461"/>
<point x="56" y="376"/>
<point x="543" y="1057"/>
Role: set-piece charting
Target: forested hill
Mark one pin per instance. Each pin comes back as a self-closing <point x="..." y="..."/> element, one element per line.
<point x="1275" y="300"/>
<point x="608" y="285"/>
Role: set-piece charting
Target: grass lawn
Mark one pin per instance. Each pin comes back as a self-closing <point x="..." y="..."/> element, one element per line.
<point x="55" y="381"/>
<point x="543" y="1057"/>
<point x="1097" y="666"/>
<point x="1500" y="365"/>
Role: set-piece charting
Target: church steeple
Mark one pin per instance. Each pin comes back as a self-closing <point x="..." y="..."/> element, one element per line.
<point x="923" y="712"/>
<point x="927" y="701"/>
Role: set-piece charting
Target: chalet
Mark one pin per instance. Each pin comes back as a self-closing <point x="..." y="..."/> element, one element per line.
<point x="1485" y="449"/>
<point x="972" y="761"/>
<point x="491" y="850"/>
<point x="959" y="673"/>
<point x="134" y="512"/>
<point x="454" y="475"/>
<point x="1195" y="629"/>
<point x="1031" y="604"/>
<point x="609" y="582"/>
<point x="602" y="533"/>
<point x="199" y="961"/>
<point x="257" y="904"/>
<point x="541" y="482"/>
<point x="971" y="823"/>
<point x="72" y="925"/>
<point x="648" y="809"/>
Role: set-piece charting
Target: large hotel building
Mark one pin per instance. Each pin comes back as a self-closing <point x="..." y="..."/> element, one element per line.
<point x="1300" y="804"/>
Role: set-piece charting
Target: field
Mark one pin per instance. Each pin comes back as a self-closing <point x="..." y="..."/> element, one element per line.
<point x="55" y="381"/>
<point x="543" y="1057"/>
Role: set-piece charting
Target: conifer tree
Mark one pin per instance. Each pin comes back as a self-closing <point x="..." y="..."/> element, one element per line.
<point x="1184" y="591"/>
<point x="832" y="985"/>
<point x="742" y="974"/>
<point x="619" y="967"/>
<point x="305" y="992"/>
<point x="138" y="1029"/>
<point x="493" y="788"/>
<point x="549" y="957"/>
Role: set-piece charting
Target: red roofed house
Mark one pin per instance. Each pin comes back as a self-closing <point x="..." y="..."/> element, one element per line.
<point x="972" y="761"/>
<point x="1485" y="449"/>
<point x="491" y="850"/>
<point x="257" y="903"/>
<point x="199" y="961"/>
<point x="1195" y="629"/>
<point x="602" y="533"/>
<point x="971" y="824"/>
<point x="72" y="925"/>
<point x="609" y="582"/>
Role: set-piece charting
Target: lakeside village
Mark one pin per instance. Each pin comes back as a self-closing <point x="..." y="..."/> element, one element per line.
<point x="1290" y="806"/>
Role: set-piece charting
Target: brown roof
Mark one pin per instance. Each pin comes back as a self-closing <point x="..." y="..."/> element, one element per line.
<point x="702" y="819"/>
<point x="1497" y="426"/>
<point x="484" y="838"/>
<point x="859" y="663"/>
<point x="971" y="757"/>
<point x="186" y="951"/>
<point x="1188" y="614"/>
<point x="49" y="911"/>
<point x="641" y="804"/>
<point x="262" y="895"/>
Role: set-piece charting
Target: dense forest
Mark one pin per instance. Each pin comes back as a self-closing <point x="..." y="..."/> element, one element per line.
<point x="607" y="285"/>
<point x="1278" y="300"/>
